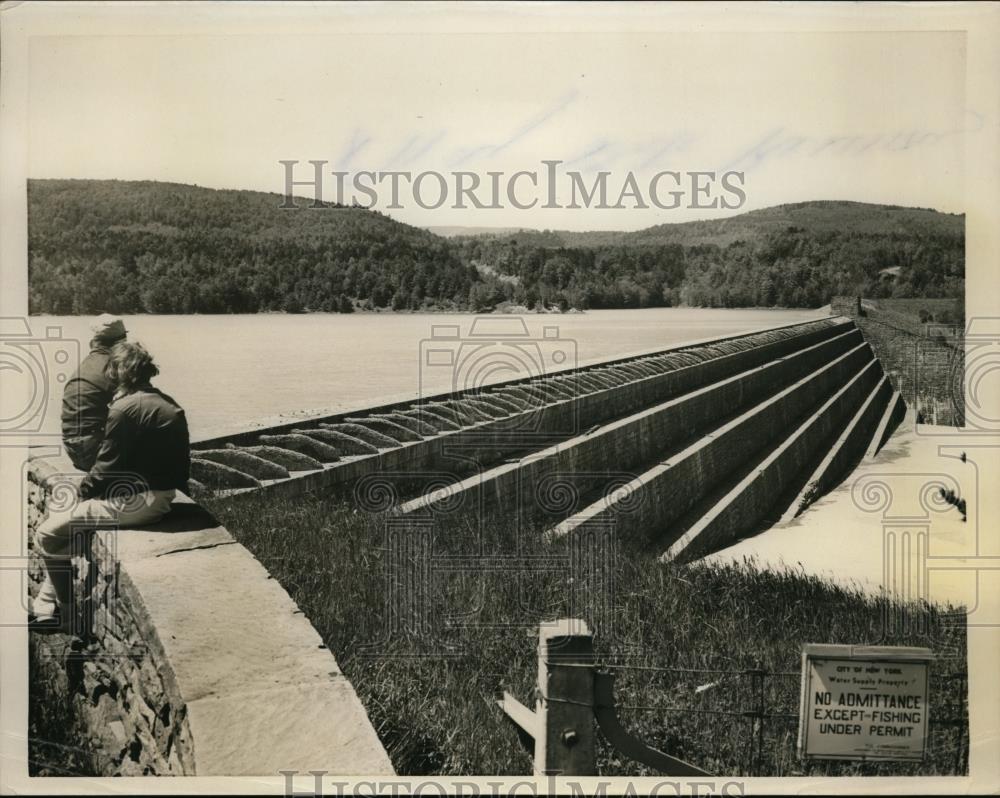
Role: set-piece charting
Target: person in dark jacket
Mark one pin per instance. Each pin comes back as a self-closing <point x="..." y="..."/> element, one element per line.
<point x="143" y="460"/>
<point x="88" y="393"/>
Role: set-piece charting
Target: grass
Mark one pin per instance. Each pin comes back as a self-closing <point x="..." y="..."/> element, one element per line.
<point x="428" y="649"/>
<point x="58" y="743"/>
<point x="944" y="308"/>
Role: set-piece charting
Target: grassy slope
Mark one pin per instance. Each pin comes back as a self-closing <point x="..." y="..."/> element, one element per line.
<point x="431" y="694"/>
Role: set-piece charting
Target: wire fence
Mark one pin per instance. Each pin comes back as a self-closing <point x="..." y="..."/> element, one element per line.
<point x="948" y="334"/>
<point x="924" y="361"/>
<point x="752" y="715"/>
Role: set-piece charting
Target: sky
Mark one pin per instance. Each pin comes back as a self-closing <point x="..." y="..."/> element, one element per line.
<point x="872" y="117"/>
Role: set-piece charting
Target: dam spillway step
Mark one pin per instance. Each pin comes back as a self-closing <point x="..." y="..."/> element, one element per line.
<point x="681" y="451"/>
<point x="750" y="499"/>
<point x="858" y="434"/>
<point x="650" y="511"/>
<point x="463" y="432"/>
<point x="894" y="412"/>
<point x="575" y="465"/>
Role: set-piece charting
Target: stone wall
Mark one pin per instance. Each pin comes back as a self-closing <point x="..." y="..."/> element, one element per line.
<point x="189" y="659"/>
<point x="124" y="712"/>
<point x="927" y="370"/>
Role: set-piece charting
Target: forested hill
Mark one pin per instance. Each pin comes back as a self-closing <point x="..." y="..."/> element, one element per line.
<point x="172" y="248"/>
<point x="817" y="218"/>
<point x="790" y="255"/>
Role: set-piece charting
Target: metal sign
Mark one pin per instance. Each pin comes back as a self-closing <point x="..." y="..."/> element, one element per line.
<point x="864" y="702"/>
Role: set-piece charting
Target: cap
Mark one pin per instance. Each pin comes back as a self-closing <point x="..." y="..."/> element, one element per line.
<point x="108" y="327"/>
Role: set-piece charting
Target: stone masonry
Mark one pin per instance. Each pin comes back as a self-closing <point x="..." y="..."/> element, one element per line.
<point x="189" y="658"/>
<point x="927" y="370"/>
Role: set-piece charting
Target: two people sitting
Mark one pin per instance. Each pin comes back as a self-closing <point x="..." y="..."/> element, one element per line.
<point x="132" y="441"/>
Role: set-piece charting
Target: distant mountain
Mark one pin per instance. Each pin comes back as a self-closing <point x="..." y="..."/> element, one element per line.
<point x="154" y="247"/>
<point x="818" y="217"/>
<point x="462" y="230"/>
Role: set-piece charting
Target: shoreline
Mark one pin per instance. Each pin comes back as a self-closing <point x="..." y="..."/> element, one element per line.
<point x="453" y="312"/>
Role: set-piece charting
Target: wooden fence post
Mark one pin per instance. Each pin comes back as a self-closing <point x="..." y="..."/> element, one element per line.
<point x="565" y="742"/>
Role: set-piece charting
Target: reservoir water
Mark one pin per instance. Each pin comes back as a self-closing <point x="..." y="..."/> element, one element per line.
<point x="233" y="373"/>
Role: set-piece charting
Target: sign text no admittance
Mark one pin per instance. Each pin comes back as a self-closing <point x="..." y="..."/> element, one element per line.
<point x="864" y="703"/>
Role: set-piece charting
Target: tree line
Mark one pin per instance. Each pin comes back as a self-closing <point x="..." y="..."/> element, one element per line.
<point x="134" y="247"/>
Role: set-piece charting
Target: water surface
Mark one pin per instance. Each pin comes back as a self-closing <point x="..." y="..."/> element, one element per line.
<point x="232" y="373"/>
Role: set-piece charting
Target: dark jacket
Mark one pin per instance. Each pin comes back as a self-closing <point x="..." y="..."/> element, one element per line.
<point x="146" y="445"/>
<point x="85" y="409"/>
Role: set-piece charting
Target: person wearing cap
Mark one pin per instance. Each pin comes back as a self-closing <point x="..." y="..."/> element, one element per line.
<point x="143" y="459"/>
<point x="88" y="394"/>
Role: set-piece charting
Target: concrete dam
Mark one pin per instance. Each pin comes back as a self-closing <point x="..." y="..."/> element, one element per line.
<point x="680" y="452"/>
<point x="685" y="450"/>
